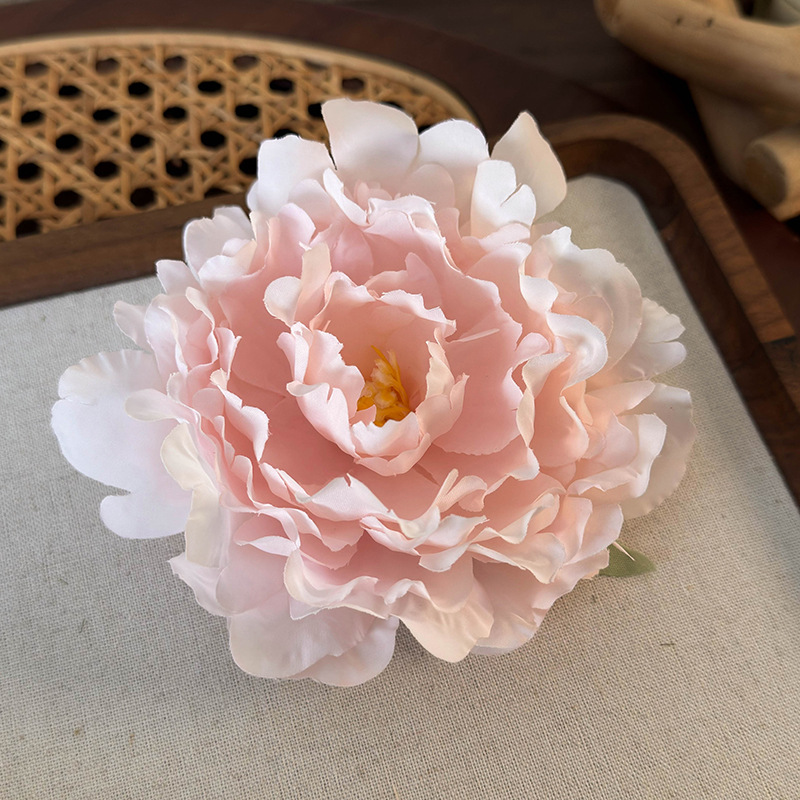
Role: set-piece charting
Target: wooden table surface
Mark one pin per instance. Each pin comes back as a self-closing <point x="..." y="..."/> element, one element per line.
<point x="558" y="63"/>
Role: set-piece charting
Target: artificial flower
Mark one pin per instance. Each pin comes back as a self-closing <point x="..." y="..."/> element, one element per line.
<point x="388" y="394"/>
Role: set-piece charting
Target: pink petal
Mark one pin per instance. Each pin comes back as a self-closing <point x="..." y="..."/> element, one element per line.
<point x="296" y="448"/>
<point x="249" y="579"/>
<point x="585" y="344"/>
<point x="629" y="480"/>
<point x="267" y="642"/>
<point x="360" y="663"/>
<point x="448" y="636"/>
<point x="325" y="387"/>
<point x="518" y="506"/>
<point x="621" y="397"/>
<point x="541" y="554"/>
<point x="559" y="435"/>
<point x="512" y="592"/>
<point x="487" y="422"/>
<point x="502" y="266"/>
<point x="534" y="375"/>
<point x="514" y="460"/>
<point x="654" y="350"/>
<point x="257" y="360"/>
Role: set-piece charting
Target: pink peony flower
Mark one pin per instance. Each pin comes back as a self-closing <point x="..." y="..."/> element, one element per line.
<point x="387" y="395"/>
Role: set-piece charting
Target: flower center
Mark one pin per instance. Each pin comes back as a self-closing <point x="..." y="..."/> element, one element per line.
<point x="385" y="390"/>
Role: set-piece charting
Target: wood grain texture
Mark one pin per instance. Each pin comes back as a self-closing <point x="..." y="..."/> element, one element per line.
<point x="98" y="253"/>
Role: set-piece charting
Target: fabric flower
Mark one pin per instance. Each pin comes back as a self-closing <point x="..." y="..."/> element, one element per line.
<point x="389" y="394"/>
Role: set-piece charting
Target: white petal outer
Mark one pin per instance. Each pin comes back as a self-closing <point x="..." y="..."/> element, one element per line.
<point x="498" y="200"/>
<point x="268" y="643"/>
<point x="674" y="407"/>
<point x="202" y="581"/>
<point x="175" y="277"/>
<point x="204" y="238"/>
<point x="360" y="663"/>
<point x="597" y="273"/>
<point x="130" y="320"/>
<point x="534" y="161"/>
<point x="370" y="142"/>
<point x="282" y="164"/>
<point x="459" y="147"/>
<point x="654" y="351"/>
<point x="449" y="636"/>
<point x="206" y="525"/>
<point x="100" y="440"/>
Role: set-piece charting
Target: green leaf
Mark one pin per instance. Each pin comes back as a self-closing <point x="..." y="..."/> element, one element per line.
<point x="624" y="566"/>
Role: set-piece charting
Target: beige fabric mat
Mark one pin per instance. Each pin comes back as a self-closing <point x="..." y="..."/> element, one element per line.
<point x="679" y="684"/>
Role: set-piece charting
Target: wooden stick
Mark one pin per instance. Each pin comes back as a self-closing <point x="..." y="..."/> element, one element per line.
<point x="752" y="61"/>
<point x="772" y="171"/>
<point x="759" y="149"/>
<point x="731" y="124"/>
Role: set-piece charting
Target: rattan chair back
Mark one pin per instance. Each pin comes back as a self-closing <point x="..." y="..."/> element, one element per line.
<point x="98" y="126"/>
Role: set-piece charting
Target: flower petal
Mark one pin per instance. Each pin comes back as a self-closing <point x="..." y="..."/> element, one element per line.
<point x="266" y="641"/>
<point x="361" y="662"/>
<point x="534" y="161"/>
<point x="282" y="164"/>
<point x="674" y="407"/>
<point x="93" y="429"/>
<point x="370" y="142"/>
<point x="459" y="147"/>
<point x="499" y="200"/>
<point x="204" y="239"/>
<point x="448" y="636"/>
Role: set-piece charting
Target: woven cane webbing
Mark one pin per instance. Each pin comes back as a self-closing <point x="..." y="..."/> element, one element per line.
<point x="99" y="126"/>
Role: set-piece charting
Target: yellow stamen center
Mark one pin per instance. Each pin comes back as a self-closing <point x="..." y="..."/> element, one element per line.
<point x="385" y="390"/>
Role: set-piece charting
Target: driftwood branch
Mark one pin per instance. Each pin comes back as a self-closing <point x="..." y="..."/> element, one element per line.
<point x="756" y="62"/>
